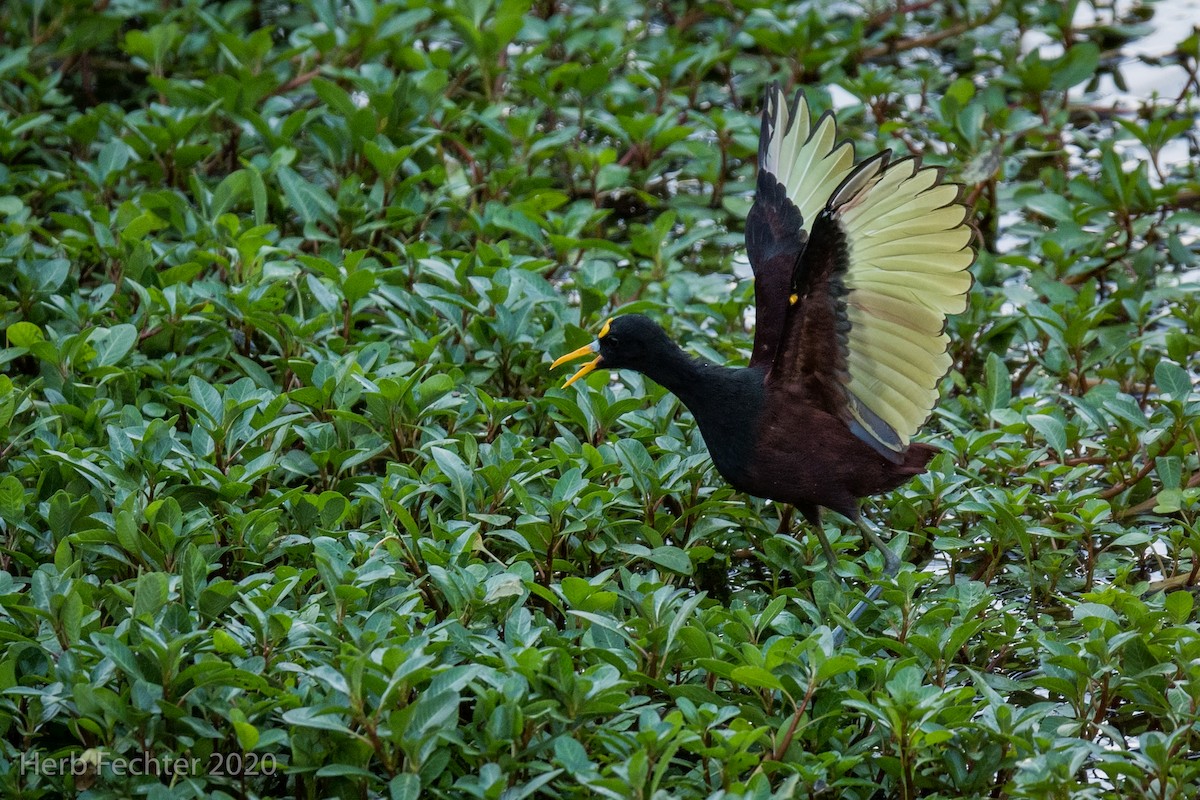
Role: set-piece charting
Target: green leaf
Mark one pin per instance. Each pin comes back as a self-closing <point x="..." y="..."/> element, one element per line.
<point x="568" y="486"/>
<point x="431" y="713"/>
<point x="434" y="388"/>
<point x="1076" y="66"/>
<point x="1054" y="206"/>
<point x="234" y="188"/>
<point x="224" y="643"/>
<point x="15" y="58"/>
<point x="1052" y="431"/>
<point x="24" y="334"/>
<point x="207" y="399"/>
<point x="672" y="558"/>
<point x="193" y="571"/>
<point x="323" y="719"/>
<point x="1168" y="501"/>
<point x="335" y="97"/>
<point x="113" y="344"/>
<point x="121" y="655"/>
<point x="71" y="616"/>
<point x="150" y="595"/>
<point x="997" y="388"/>
<point x="1172" y="380"/>
<point x="1179" y="606"/>
<point x="8" y="402"/>
<point x="309" y="201"/>
<point x="358" y="284"/>
<point x="1170" y="471"/>
<point x="258" y="195"/>
<point x="52" y="273"/>
<point x="404" y="787"/>
<point x="247" y="735"/>
<point x="755" y="678"/>
<point x="1084" y="611"/>
<point x="142" y="226"/>
<point x="835" y="665"/>
<point x="510" y="16"/>
<point x="506" y="584"/>
<point x="12" y="498"/>
<point x="113" y="158"/>
<point x="572" y="755"/>
<point x="456" y="470"/>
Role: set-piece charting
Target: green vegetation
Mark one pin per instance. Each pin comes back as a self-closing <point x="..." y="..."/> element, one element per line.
<point x="287" y="488"/>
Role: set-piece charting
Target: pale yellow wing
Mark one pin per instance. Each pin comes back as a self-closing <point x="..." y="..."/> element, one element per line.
<point x="803" y="155"/>
<point x="908" y="249"/>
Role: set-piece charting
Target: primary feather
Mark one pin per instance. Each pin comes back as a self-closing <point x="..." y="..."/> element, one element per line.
<point x="908" y="253"/>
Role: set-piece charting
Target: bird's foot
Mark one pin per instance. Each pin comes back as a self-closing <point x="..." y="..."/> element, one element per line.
<point x="839" y="633"/>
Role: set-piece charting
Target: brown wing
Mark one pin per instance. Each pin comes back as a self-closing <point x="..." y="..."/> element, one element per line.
<point x="885" y="263"/>
<point x="813" y="352"/>
<point x="799" y="166"/>
<point x="775" y="238"/>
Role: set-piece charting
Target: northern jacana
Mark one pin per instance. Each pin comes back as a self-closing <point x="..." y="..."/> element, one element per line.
<point x="856" y="268"/>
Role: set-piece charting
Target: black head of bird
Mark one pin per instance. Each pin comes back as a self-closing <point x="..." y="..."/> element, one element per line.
<point x="632" y="342"/>
<point x="856" y="268"/>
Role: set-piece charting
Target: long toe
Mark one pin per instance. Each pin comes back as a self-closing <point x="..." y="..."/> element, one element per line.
<point x="839" y="633"/>
<point x="891" y="561"/>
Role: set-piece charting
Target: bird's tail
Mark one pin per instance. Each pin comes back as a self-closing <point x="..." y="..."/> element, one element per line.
<point x="916" y="457"/>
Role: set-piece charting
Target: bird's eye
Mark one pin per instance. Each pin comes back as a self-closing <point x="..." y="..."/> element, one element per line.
<point x="611" y="341"/>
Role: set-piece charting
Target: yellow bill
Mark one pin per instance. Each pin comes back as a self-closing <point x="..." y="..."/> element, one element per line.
<point x="586" y="350"/>
<point x="583" y="352"/>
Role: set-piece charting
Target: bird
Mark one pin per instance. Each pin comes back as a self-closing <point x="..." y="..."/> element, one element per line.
<point x="856" y="267"/>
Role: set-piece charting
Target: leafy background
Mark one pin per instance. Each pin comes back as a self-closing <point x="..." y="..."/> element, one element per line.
<point x="285" y="477"/>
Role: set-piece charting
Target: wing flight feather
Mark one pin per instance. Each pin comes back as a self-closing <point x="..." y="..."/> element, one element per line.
<point x="909" y="253"/>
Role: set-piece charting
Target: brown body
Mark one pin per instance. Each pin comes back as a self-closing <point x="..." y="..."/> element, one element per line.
<point x="826" y="466"/>
<point x="768" y="440"/>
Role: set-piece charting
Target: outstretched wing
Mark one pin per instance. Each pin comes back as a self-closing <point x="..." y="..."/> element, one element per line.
<point x="885" y="264"/>
<point x="800" y="164"/>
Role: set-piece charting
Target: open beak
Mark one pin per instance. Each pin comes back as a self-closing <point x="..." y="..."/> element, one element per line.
<point x="582" y="352"/>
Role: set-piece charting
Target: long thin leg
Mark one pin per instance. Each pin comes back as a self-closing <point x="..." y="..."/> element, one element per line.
<point x="891" y="565"/>
<point x="831" y="558"/>
<point x="862" y="605"/>
<point x="813" y="516"/>
<point x="891" y="561"/>
<point x="839" y="634"/>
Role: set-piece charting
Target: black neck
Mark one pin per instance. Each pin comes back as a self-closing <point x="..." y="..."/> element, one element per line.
<point x="681" y="375"/>
<point x="725" y="402"/>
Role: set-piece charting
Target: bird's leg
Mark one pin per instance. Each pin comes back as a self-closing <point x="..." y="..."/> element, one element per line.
<point x="862" y="605"/>
<point x="831" y="558"/>
<point x="891" y="565"/>
<point x="839" y="633"/>
<point x="785" y="521"/>
<point x="891" y="561"/>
